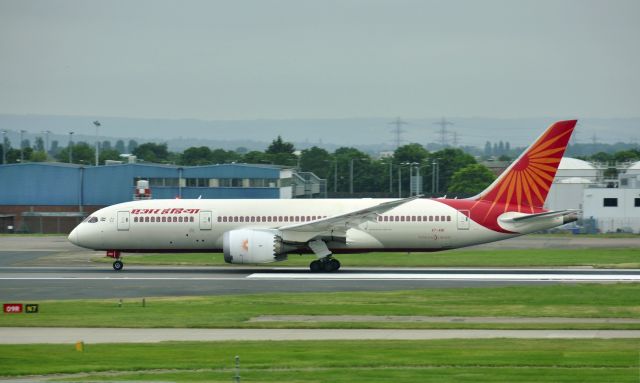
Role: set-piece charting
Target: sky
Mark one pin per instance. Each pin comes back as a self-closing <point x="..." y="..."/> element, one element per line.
<point x="296" y="59"/>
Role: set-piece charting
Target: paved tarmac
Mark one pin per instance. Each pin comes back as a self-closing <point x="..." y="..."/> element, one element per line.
<point x="41" y="268"/>
<point x="37" y="335"/>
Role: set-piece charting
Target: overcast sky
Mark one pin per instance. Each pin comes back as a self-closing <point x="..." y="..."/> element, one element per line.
<point x="320" y="59"/>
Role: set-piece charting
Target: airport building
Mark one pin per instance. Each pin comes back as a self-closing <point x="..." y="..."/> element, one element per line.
<point x="608" y="204"/>
<point x="54" y="197"/>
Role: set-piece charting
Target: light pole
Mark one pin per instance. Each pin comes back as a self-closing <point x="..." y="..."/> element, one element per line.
<point x="46" y="142"/>
<point x="351" y="174"/>
<point x="335" y="177"/>
<point x="97" y="124"/>
<point x="70" y="148"/>
<point x="390" y="176"/>
<point x="434" y="176"/>
<point x="22" y="132"/>
<point x="4" y="147"/>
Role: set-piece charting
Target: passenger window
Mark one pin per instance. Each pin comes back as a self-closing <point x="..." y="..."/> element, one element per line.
<point x="219" y="219"/>
<point x="191" y="219"/>
<point x="430" y="218"/>
<point x="448" y="218"/>
<point x="241" y="219"/>
<point x="442" y="218"/>
<point x="419" y="218"/>
<point x="437" y="218"/>
<point x="413" y="218"/>
<point x="180" y="219"/>
<point x="135" y="219"/>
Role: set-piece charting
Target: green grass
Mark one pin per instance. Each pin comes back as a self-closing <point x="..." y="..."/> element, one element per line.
<point x="604" y="258"/>
<point x="490" y="360"/>
<point x="233" y="311"/>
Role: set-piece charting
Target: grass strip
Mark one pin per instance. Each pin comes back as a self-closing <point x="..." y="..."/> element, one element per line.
<point x="233" y="311"/>
<point x="547" y="360"/>
<point x="601" y="258"/>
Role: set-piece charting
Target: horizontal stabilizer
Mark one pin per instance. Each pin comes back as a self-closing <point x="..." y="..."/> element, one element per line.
<point x="571" y="215"/>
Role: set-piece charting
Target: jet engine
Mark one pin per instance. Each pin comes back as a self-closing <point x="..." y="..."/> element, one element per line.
<point x="254" y="246"/>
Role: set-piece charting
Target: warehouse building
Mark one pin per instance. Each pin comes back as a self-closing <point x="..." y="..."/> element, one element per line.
<point x="54" y="197"/>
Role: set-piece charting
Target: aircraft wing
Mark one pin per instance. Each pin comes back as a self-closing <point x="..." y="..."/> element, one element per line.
<point x="345" y="221"/>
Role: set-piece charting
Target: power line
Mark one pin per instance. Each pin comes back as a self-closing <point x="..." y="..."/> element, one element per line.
<point x="397" y="130"/>
<point x="443" y="131"/>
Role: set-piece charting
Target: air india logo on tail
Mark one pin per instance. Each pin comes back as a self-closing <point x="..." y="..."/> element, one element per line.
<point x="524" y="186"/>
<point x="245" y="245"/>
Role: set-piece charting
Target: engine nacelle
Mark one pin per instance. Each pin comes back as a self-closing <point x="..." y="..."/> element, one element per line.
<point x="254" y="246"/>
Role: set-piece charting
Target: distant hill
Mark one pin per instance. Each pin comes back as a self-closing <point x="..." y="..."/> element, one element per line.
<point x="368" y="134"/>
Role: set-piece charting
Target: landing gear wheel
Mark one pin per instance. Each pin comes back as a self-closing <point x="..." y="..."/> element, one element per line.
<point x="118" y="265"/>
<point x="335" y="264"/>
<point x="315" y="266"/>
<point x="330" y="265"/>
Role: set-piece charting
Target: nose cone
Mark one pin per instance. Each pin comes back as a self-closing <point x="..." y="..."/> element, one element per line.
<point x="73" y="237"/>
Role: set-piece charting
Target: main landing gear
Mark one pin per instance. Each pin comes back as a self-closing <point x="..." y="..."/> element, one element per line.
<point x="115" y="254"/>
<point x="325" y="262"/>
<point x="326" y="265"/>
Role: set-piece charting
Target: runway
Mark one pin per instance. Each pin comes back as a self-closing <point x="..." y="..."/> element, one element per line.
<point x="99" y="281"/>
<point x="35" y="335"/>
<point x="30" y="269"/>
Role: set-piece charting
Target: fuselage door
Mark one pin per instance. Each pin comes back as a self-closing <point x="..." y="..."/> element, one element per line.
<point x="205" y="220"/>
<point x="463" y="220"/>
<point x="123" y="220"/>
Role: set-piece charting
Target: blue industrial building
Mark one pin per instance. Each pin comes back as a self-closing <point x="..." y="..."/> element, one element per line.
<point x="65" y="184"/>
<point x="71" y="191"/>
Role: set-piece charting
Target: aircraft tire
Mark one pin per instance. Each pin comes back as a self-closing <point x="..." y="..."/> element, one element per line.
<point x="118" y="265"/>
<point x="315" y="266"/>
<point x="335" y="264"/>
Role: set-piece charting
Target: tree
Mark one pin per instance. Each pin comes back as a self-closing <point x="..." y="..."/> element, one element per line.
<point x="255" y="157"/>
<point x="39" y="146"/>
<point x="152" y="152"/>
<point x="471" y="179"/>
<point x="82" y="152"/>
<point x="38" y="156"/>
<point x="450" y="161"/>
<point x="131" y="146"/>
<point x="109" y="154"/>
<point x="487" y="149"/>
<point x="281" y="152"/>
<point x="627" y="155"/>
<point x="120" y="146"/>
<point x="221" y="156"/>
<point x="194" y="156"/>
<point x="279" y="146"/>
<point x="54" y="149"/>
<point x="410" y="153"/>
<point x="316" y="160"/>
<point x="105" y="145"/>
<point x="602" y="157"/>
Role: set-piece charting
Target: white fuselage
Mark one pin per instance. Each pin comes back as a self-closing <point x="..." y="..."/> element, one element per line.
<point x="198" y="225"/>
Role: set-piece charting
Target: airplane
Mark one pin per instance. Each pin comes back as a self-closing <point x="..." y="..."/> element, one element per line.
<point x="262" y="231"/>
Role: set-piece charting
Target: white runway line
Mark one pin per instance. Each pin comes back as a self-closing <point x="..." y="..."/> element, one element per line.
<point x="449" y="277"/>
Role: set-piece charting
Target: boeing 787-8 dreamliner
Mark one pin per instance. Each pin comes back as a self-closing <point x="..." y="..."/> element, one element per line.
<point x="263" y="231"/>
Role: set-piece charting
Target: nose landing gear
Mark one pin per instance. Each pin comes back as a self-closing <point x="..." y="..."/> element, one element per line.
<point x="115" y="254"/>
<point x="118" y="265"/>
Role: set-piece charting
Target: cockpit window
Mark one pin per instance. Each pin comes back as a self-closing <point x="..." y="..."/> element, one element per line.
<point x="91" y="219"/>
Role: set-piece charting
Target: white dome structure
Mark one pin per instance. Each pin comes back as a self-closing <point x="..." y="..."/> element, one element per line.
<point x="573" y="167"/>
<point x="634" y="168"/>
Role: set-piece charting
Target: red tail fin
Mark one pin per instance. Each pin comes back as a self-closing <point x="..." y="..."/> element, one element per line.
<point x="524" y="186"/>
